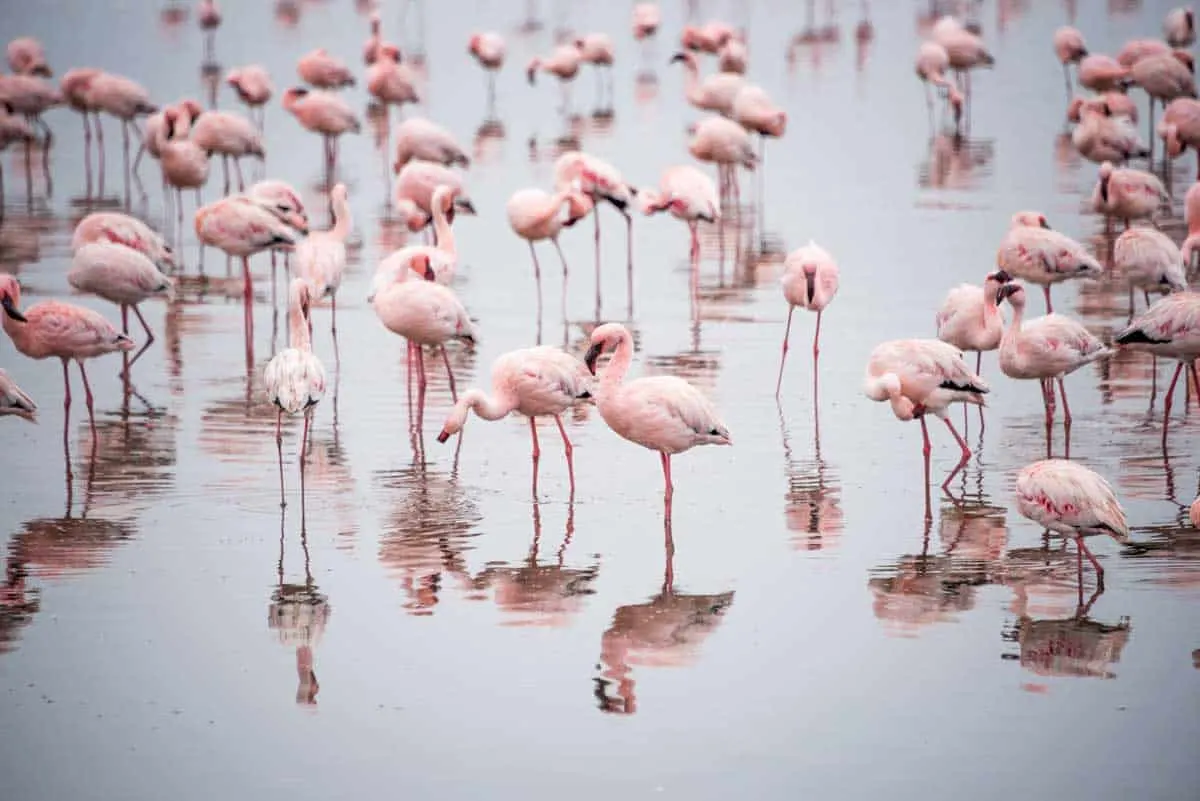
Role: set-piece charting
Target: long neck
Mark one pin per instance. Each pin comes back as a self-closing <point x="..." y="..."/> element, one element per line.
<point x="991" y="306"/>
<point x="692" y="82"/>
<point x="1014" y="326"/>
<point x="341" y="219"/>
<point x="443" y="231"/>
<point x="486" y="408"/>
<point x="614" y="373"/>
<point x="298" y="335"/>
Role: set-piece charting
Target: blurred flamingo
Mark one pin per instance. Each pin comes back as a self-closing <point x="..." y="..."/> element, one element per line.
<point x="321" y="256"/>
<point x="14" y="401"/>
<point x="810" y="281"/>
<point x="1171" y="329"/>
<point x="27" y="57"/>
<point x="715" y="93"/>
<point x="254" y="88"/>
<point x="318" y="68"/>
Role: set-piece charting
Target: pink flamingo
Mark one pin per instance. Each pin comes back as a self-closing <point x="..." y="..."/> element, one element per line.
<point x="1191" y="205"/>
<point x="14" y="401"/>
<point x="1071" y="500"/>
<point x="282" y="200"/>
<point x="726" y="144"/>
<point x="535" y="216"/>
<point x="1150" y="260"/>
<point x="1135" y="50"/>
<point x="295" y="378"/>
<point x="1101" y="136"/>
<point x="241" y="227"/>
<point x="374" y="40"/>
<point x="1114" y="104"/>
<point x="321" y="256"/>
<point x="123" y="276"/>
<point x="488" y="50"/>
<point x="662" y="413"/>
<point x="689" y="195"/>
<point x="209" y="16"/>
<point x="122" y="98"/>
<point x="1070" y="49"/>
<point x="184" y="163"/>
<point x="1128" y="194"/>
<point x="599" y="180"/>
<point x="932" y="63"/>
<point x="1194" y="513"/>
<point x="1180" y="128"/>
<point x="1171" y="329"/>
<point x="154" y="125"/>
<point x="1102" y="73"/>
<point x="413" y="191"/>
<point x="74" y="85"/>
<point x="563" y="64"/>
<point x="61" y="330"/>
<point x="1164" y="77"/>
<point x="706" y="38"/>
<point x="231" y="136"/>
<point x="418" y="138"/>
<point x="436" y="263"/>
<point x="323" y="113"/>
<point x="1046" y="348"/>
<point x="918" y="376"/>
<point x="646" y="20"/>
<point x="1179" y="27"/>
<point x="810" y="281"/>
<point x="966" y="50"/>
<point x="754" y="111"/>
<point x="970" y="317"/>
<point x="533" y="382"/>
<point x="26" y="57"/>
<point x="715" y="93"/>
<point x="597" y="49"/>
<point x="390" y="82"/>
<point x="30" y="96"/>
<point x="1033" y="252"/>
<point x="254" y="88"/>
<point x="732" y="56"/>
<point x="318" y="68"/>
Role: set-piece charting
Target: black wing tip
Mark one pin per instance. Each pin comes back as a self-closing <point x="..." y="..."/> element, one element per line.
<point x="1137" y="336"/>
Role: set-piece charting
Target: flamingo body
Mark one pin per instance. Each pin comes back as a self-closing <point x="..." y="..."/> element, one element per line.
<point x="113" y="226"/>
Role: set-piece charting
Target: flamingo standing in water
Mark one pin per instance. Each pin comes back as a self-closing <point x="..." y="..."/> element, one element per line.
<point x="932" y="63"/>
<point x="12" y="129"/>
<point x="662" y="413"/>
<point x="1191" y="207"/>
<point x="1179" y="27"/>
<point x="754" y="111"/>
<point x="1150" y="261"/>
<point x="1170" y="328"/>
<point x="14" y="401"/>
<point x="413" y="191"/>
<point x="323" y="113"/>
<point x="597" y="49"/>
<point x="1128" y="194"/>
<point x="113" y="226"/>
<point x="184" y="164"/>
<point x="689" y="195"/>
<point x="74" y="85"/>
<point x="27" y="57"/>
<point x="1035" y="253"/>
<point x="122" y="98"/>
<point x="1071" y="500"/>
<point x="63" y="331"/>
<point x="726" y="144"/>
<point x="254" y="88"/>
<point x="391" y="82"/>
<point x="534" y="382"/>
<point x="1047" y="348"/>
<point x="1180" y="128"/>
<point x="535" y="216"/>
<point x="123" y="276"/>
<point x="563" y="64"/>
<point x="318" y="68"/>
<point x="321" y="256"/>
<point x="441" y="259"/>
<point x="1102" y="73"/>
<point x="1070" y="48"/>
<point x="810" y="281"/>
<point x="418" y="138"/>
<point x="488" y="50"/>
<point x="295" y="378"/>
<point x="231" y="136"/>
<point x="920" y="376"/>
<point x="970" y="317"/>
<point x="714" y="93"/>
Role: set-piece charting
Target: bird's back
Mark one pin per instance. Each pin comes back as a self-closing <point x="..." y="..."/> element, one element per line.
<point x="295" y="380"/>
<point x="1063" y="494"/>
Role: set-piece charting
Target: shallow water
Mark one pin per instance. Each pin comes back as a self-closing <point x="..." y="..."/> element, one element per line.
<point x="422" y="625"/>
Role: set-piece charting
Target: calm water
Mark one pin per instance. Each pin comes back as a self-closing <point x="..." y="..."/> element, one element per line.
<point x="428" y="629"/>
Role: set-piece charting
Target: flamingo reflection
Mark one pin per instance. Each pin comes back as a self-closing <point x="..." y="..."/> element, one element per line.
<point x="298" y="614"/>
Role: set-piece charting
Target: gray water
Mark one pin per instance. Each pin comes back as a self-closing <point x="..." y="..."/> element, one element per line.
<point x="423" y="627"/>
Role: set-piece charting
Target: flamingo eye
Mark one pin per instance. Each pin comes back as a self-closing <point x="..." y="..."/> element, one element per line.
<point x="282" y="207"/>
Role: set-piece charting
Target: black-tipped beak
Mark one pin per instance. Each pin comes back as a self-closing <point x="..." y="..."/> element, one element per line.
<point x="445" y="435"/>
<point x="464" y="205"/>
<point x="1002" y="276"/>
<point x="11" y="310"/>
<point x="617" y="202"/>
<point x="430" y="275"/>
<point x="681" y="56"/>
<point x="1006" y="291"/>
<point x="810" y="286"/>
<point x="1045" y="224"/>
<point x="593" y="354"/>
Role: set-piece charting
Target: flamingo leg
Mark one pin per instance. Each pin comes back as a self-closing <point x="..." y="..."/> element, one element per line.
<point x="537" y="275"/>
<point x="1062" y="389"/>
<point x="669" y="485"/>
<point x="1196" y="381"/>
<point x="537" y="451"/>
<point x="629" y="262"/>
<point x="87" y="395"/>
<point x="237" y="165"/>
<point x="596" y="219"/>
<point x="569" y="450"/>
<point x="1049" y="305"/>
<point x="783" y="358"/>
<point x="279" y="447"/>
<point x="926" y="447"/>
<point x="449" y="374"/>
<point x="1091" y="558"/>
<point x="100" y="152"/>
<point x="966" y="453"/>
<point x="304" y="441"/>
<point x="1167" y="401"/>
<point x="562" y="259"/>
<point x="66" y="403"/>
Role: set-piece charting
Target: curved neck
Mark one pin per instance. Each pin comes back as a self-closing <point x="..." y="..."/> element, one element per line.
<point x="1014" y="325"/>
<point x="298" y="335"/>
<point x="442" y="230"/>
<point x="341" y="219"/>
<point x="691" y="83"/>
<point x="488" y="407"/>
<point x="614" y="372"/>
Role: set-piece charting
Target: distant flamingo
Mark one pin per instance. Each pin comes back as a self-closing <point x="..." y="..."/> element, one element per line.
<point x="154" y="126"/>
<point x="435" y="263"/>
<point x="374" y="40"/>
<point x="75" y="85"/>
<point x="646" y="20"/>
<point x="318" y="68"/>
<point x="706" y="38"/>
<point x="418" y="138"/>
<point x="1171" y="329"/>
<point x="1128" y="194"/>
<point x="715" y="93"/>
<point x="810" y="281"/>
<point x="295" y="378"/>
<point x="231" y="136"/>
<point x="26" y="57"/>
<point x="30" y="96"/>
<point x="754" y="111"/>
<point x="533" y="382"/>
<point x="413" y="191"/>
<point x="970" y="317"/>
<point x="14" y="401"/>
<point x="597" y="49"/>
<point x="536" y="215"/>
<point x="1032" y="251"/>
<point x="689" y="195"/>
<point x="1180" y="128"/>
<point x="1150" y="260"/>
<point x="254" y="88"/>
<point x="1101" y="136"/>
<point x="1046" y="348"/>
<point x="323" y="113"/>
<point x="1134" y="50"/>
<point x="63" y="331"/>
<point x="662" y="413"/>
<point x="282" y="200"/>
<point x="1191" y="205"/>
<point x="1179" y="27"/>
<point x="241" y="227"/>
<point x="726" y="144"/>
<point x="563" y="63"/>
<point x="1102" y="73"/>
<point x="732" y="56"/>
<point x="1070" y="49"/>
<point x="120" y="275"/>
<point x="966" y="50"/>
<point x="1071" y="500"/>
<point x="122" y="98"/>
<point x="321" y="256"/>
<point x="1164" y="77"/>
<point x="1115" y="104"/>
<point x="920" y="376"/>
<point x="184" y="163"/>
<point x="390" y="82"/>
<point x="931" y="66"/>
<point x="209" y="16"/>
<point x="488" y="50"/>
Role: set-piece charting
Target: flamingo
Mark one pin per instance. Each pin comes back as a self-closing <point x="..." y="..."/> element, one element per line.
<point x="1151" y="261"/>
<point x="1128" y="194"/>
<point x="599" y="180"/>
<point x="1070" y="48"/>
<point x="754" y="111"/>
<point x="1071" y="500"/>
<point x="732" y="56"/>
<point x="1102" y="136"/>
<point x="715" y="93"/>
<point x="488" y="50"/>
<point x="1170" y="328"/>
<point x="1180" y="128"/>
<point x="1102" y="73"/>
<point x="323" y="113"/>
<point x="533" y="382"/>
<point x="1191" y="205"/>
<point x="74" y="86"/>
<point x="1135" y="50"/>
<point x="209" y="16"/>
<point x="707" y="38"/>
<point x="1164" y="77"/>
<point x="230" y="135"/>
<point x="418" y="138"/>
<point x="662" y="413"/>
<point x="1194" y="513"/>
<point x="436" y="263"/>
<point x="535" y="216"/>
<point x="689" y="195"/>
<point x="27" y="57"/>
<point x="413" y="191"/>
<point x="1047" y="348"/>
<point x="597" y="49"/>
<point x="726" y="144"/>
<point x="184" y="163"/>
<point x="242" y="226"/>
<point x="154" y="125"/>
<point x="31" y="96"/>
<point x="1114" y="104"/>
<point x="1033" y="252"/>
<point x="810" y="281"/>
<point x="646" y="20"/>
<point x="321" y="256"/>
<point x="61" y="330"/>
<point x="254" y="88"/>
<point x="563" y="64"/>
<point x="318" y="68"/>
<point x="390" y="82"/>
<point x="123" y="276"/>
<point x="14" y="401"/>
<point x="970" y="317"/>
<point x="282" y="200"/>
<point x="1179" y="27"/>
<point x="374" y="40"/>
<point x="966" y="50"/>
<point x="919" y="376"/>
<point x="295" y="378"/>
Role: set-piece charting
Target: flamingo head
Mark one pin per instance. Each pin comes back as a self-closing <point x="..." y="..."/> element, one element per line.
<point x="1014" y="293"/>
<point x="463" y="204"/>
<point x="10" y="297"/>
<point x="473" y="43"/>
<point x="391" y="52"/>
<point x="294" y="94"/>
<point x="604" y="337"/>
<point x="684" y="57"/>
<point x="1030" y="219"/>
<point x="191" y="107"/>
<point x="993" y="285"/>
<point x="422" y="265"/>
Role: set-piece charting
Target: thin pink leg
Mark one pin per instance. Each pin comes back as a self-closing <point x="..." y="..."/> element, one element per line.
<point x="279" y="448"/>
<point x="537" y="274"/>
<point x="333" y="319"/>
<point x="87" y="390"/>
<point x="596" y="219"/>
<point x="966" y="453"/>
<point x="817" y="341"/>
<point x="666" y="465"/>
<point x="570" y="451"/>
<point x="1091" y="558"/>
<point x="1196" y="382"/>
<point x="787" y="332"/>
<point x="66" y="404"/>
<point x="449" y="374"/>
<point x="1049" y="305"/>
<point x="304" y="441"/>
<point x="537" y="451"/>
<point x="1062" y="389"/>
<point x="1167" y="400"/>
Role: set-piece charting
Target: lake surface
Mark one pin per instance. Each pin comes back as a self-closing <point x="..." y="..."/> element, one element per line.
<point x="421" y="626"/>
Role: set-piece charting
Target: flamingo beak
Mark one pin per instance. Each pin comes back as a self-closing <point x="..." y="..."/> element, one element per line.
<point x="11" y="309"/>
<point x="677" y="58"/>
<point x="1006" y="291"/>
<point x="430" y="275"/>
<point x="445" y="435"/>
<point x="810" y="284"/>
<point x="464" y="205"/>
<point x="593" y="354"/>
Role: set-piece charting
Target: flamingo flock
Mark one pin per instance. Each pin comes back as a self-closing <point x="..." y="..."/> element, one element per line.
<point x="119" y="258"/>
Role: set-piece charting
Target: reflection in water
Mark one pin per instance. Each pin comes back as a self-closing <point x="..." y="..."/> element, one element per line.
<point x="813" y="504"/>
<point x="18" y="604"/>
<point x="134" y="460"/>
<point x="956" y="162"/>
<point x="537" y="593"/>
<point x="298" y="614"/>
<point x="665" y="631"/>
